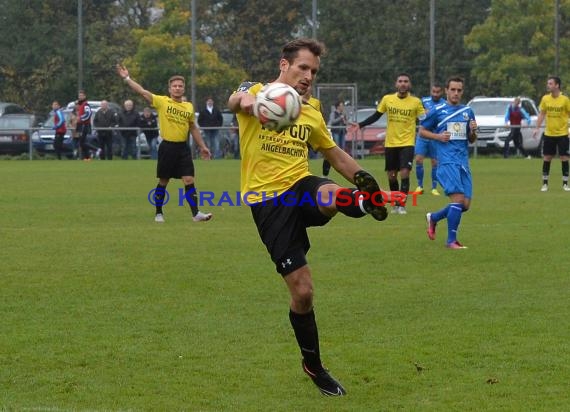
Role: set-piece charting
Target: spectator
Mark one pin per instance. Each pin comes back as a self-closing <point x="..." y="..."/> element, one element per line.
<point x="83" y="124"/>
<point x="337" y="123"/>
<point x="105" y="118"/>
<point x="149" y="126"/>
<point x="74" y="133"/>
<point x="129" y="122"/>
<point x="59" y="127"/>
<point x="513" y="117"/>
<point x="210" y="117"/>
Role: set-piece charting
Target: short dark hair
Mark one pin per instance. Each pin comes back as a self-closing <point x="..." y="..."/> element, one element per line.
<point x="404" y="74"/>
<point x="291" y="49"/>
<point x="556" y="80"/>
<point x="457" y="79"/>
<point x="176" y="77"/>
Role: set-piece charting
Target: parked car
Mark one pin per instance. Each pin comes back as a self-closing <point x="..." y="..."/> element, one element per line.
<point x="15" y="133"/>
<point x="370" y="140"/>
<point x="490" y="115"/>
<point x="10" y="108"/>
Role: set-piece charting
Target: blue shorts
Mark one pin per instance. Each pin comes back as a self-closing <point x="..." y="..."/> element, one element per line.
<point x="425" y="147"/>
<point x="455" y="178"/>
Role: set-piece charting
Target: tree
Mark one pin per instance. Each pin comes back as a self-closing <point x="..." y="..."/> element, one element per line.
<point x="169" y="43"/>
<point x="514" y="55"/>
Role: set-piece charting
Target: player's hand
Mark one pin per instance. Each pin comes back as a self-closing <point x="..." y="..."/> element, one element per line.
<point x="353" y="127"/>
<point x="246" y="103"/>
<point x="535" y="133"/>
<point x="473" y="125"/>
<point x="205" y="153"/>
<point x="444" y="137"/>
<point x="122" y="71"/>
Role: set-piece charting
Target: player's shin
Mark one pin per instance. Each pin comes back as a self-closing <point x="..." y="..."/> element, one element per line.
<point x="305" y="328"/>
<point x="453" y="220"/>
<point x="159" y="195"/>
<point x="349" y="203"/>
<point x="191" y="197"/>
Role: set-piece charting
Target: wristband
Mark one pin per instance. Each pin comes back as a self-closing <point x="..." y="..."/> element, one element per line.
<point x="127" y="78"/>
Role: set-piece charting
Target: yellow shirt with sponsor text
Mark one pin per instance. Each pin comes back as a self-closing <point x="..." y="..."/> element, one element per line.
<point x="557" y="111"/>
<point x="175" y="118"/>
<point x="273" y="161"/>
<point x="402" y="115"/>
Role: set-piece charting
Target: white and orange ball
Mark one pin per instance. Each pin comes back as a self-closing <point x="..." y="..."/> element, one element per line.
<point x="277" y="106"/>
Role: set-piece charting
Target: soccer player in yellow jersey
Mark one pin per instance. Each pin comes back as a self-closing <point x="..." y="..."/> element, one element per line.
<point x="555" y="108"/>
<point x="285" y="198"/>
<point x="175" y="119"/>
<point x="403" y="110"/>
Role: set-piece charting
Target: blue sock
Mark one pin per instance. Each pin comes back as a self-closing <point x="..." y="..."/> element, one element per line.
<point x="434" y="177"/>
<point x="453" y="219"/>
<point x="440" y="214"/>
<point x="420" y="174"/>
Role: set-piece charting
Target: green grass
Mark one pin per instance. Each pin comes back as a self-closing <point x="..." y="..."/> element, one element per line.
<point x="104" y="310"/>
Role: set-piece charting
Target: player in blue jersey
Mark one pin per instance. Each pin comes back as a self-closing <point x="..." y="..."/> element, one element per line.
<point x="452" y="126"/>
<point x="426" y="147"/>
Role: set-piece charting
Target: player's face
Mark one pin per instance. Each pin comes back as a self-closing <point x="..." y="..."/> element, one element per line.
<point x="301" y="72"/>
<point x="436" y="93"/>
<point x="176" y="89"/>
<point x="403" y="84"/>
<point x="551" y="85"/>
<point x="454" y="92"/>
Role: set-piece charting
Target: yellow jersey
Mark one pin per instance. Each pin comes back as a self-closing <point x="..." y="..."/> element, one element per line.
<point x="557" y="111"/>
<point x="273" y="161"/>
<point x="402" y="115"/>
<point x="174" y="118"/>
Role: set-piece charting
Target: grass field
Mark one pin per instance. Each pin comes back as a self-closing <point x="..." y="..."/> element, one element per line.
<point x="104" y="310"/>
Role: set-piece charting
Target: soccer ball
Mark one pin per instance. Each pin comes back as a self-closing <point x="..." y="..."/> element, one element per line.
<point x="277" y="106"/>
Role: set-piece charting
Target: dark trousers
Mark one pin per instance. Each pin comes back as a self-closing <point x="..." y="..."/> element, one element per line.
<point x="129" y="147"/>
<point x="516" y="136"/>
<point x="58" y="144"/>
<point x="106" y="144"/>
<point x="84" y="130"/>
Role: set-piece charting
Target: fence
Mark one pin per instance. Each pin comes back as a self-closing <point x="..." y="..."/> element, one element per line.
<point x="41" y="140"/>
<point x="365" y="142"/>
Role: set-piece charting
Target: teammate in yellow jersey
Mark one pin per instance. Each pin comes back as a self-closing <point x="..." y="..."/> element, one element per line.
<point x="403" y="110"/>
<point x="285" y="198"/>
<point x="555" y="107"/>
<point x="176" y="119"/>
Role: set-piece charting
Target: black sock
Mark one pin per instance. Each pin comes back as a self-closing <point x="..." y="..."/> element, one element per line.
<point x="347" y="203"/>
<point x="159" y="195"/>
<point x="405" y="188"/>
<point x="191" y="197"/>
<point x="394" y="188"/>
<point x="565" y="172"/>
<point x="326" y="167"/>
<point x="545" y="172"/>
<point x="305" y="328"/>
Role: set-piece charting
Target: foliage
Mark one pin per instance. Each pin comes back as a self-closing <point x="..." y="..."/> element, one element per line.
<point x="499" y="46"/>
<point x="169" y="44"/>
<point x="514" y="55"/>
<point x="393" y="37"/>
<point x="249" y="33"/>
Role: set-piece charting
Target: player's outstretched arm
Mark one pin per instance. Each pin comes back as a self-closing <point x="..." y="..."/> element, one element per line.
<point x="124" y="73"/>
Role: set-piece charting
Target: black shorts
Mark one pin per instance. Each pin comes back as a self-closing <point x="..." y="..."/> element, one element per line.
<point x="399" y="158"/>
<point x="282" y="223"/>
<point x="552" y="143"/>
<point x="174" y="160"/>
